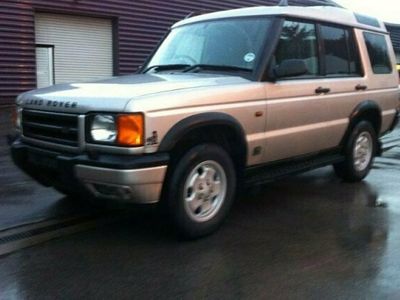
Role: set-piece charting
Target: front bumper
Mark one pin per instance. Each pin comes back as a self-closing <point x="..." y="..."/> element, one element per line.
<point x="135" y="179"/>
<point x="137" y="185"/>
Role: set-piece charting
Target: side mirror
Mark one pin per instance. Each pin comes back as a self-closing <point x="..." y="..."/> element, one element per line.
<point x="290" y="68"/>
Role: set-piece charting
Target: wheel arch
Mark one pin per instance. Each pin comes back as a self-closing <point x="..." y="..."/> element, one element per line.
<point x="368" y="110"/>
<point x="218" y="123"/>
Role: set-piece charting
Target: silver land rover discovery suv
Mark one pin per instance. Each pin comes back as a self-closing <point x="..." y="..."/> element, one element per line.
<point x="229" y="98"/>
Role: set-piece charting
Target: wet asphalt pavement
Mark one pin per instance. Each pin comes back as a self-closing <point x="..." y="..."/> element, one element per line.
<point x="24" y="201"/>
<point x="305" y="237"/>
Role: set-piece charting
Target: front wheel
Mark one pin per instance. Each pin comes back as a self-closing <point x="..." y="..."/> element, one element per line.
<point x="359" y="153"/>
<point x="200" y="190"/>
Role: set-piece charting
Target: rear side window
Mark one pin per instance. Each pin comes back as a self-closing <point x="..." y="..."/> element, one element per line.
<point x="378" y="53"/>
<point x="341" y="56"/>
<point x="298" y="41"/>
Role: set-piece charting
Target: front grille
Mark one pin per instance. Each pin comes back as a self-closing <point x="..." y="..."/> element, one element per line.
<point x="51" y="127"/>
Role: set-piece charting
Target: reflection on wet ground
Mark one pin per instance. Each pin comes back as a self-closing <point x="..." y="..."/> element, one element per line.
<point x="308" y="236"/>
<point x="24" y="201"/>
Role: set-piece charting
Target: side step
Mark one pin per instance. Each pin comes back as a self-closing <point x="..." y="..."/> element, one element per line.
<point x="268" y="173"/>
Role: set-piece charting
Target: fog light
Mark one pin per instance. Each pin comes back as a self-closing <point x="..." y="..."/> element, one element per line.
<point x="111" y="191"/>
<point x="106" y="190"/>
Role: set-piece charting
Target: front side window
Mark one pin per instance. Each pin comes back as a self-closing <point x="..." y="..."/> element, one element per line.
<point x="231" y="42"/>
<point x="378" y="53"/>
<point x="340" y="52"/>
<point x="298" y="41"/>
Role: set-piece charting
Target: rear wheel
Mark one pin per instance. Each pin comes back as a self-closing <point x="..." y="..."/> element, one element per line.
<point x="200" y="190"/>
<point x="359" y="152"/>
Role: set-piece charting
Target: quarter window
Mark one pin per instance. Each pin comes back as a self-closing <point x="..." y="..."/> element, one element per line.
<point x="298" y="41"/>
<point x="378" y="53"/>
<point x="341" y="56"/>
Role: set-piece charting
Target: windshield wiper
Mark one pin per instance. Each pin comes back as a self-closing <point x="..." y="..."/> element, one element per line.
<point x="216" y="68"/>
<point x="166" y="67"/>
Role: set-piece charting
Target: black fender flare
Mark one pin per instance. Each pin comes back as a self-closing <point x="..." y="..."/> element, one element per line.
<point x="359" y="110"/>
<point x="363" y="107"/>
<point x="183" y="127"/>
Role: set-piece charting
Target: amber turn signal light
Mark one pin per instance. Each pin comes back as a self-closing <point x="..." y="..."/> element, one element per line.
<point x="130" y="130"/>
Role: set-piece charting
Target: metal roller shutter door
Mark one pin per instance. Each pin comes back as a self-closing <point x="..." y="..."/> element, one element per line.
<point x="82" y="46"/>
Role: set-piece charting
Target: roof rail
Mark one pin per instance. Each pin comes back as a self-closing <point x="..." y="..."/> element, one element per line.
<point x="329" y="3"/>
<point x="322" y="2"/>
<point x="198" y="13"/>
<point x="284" y="3"/>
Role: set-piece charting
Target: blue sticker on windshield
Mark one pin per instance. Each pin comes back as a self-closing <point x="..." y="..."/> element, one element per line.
<point x="249" y="57"/>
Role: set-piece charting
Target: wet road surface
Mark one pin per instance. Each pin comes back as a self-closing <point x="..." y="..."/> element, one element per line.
<point x="24" y="201"/>
<point x="305" y="237"/>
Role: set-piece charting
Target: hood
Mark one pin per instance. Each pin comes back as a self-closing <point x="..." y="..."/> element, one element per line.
<point x="114" y="94"/>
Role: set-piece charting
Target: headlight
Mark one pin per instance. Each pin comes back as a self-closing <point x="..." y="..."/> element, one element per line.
<point x="104" y="129"/>
<point x="120" y="130"/>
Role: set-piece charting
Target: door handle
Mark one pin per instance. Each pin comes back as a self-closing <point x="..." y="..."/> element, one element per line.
<point x="360" y="87"/>
<point x="322" y="90"/>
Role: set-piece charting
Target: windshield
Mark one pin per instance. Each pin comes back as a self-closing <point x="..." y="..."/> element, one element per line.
<point x="235" y="43"/>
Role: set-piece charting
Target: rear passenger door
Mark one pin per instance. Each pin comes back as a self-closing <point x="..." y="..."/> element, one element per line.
<point x="306" y="114"/>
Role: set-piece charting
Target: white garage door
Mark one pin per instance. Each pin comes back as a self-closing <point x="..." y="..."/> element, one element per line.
<point x="82" y="48"/>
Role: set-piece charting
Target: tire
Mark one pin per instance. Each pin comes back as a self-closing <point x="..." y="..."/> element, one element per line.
<point x="200" y="190"/>
<point x="360" y="150"/>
